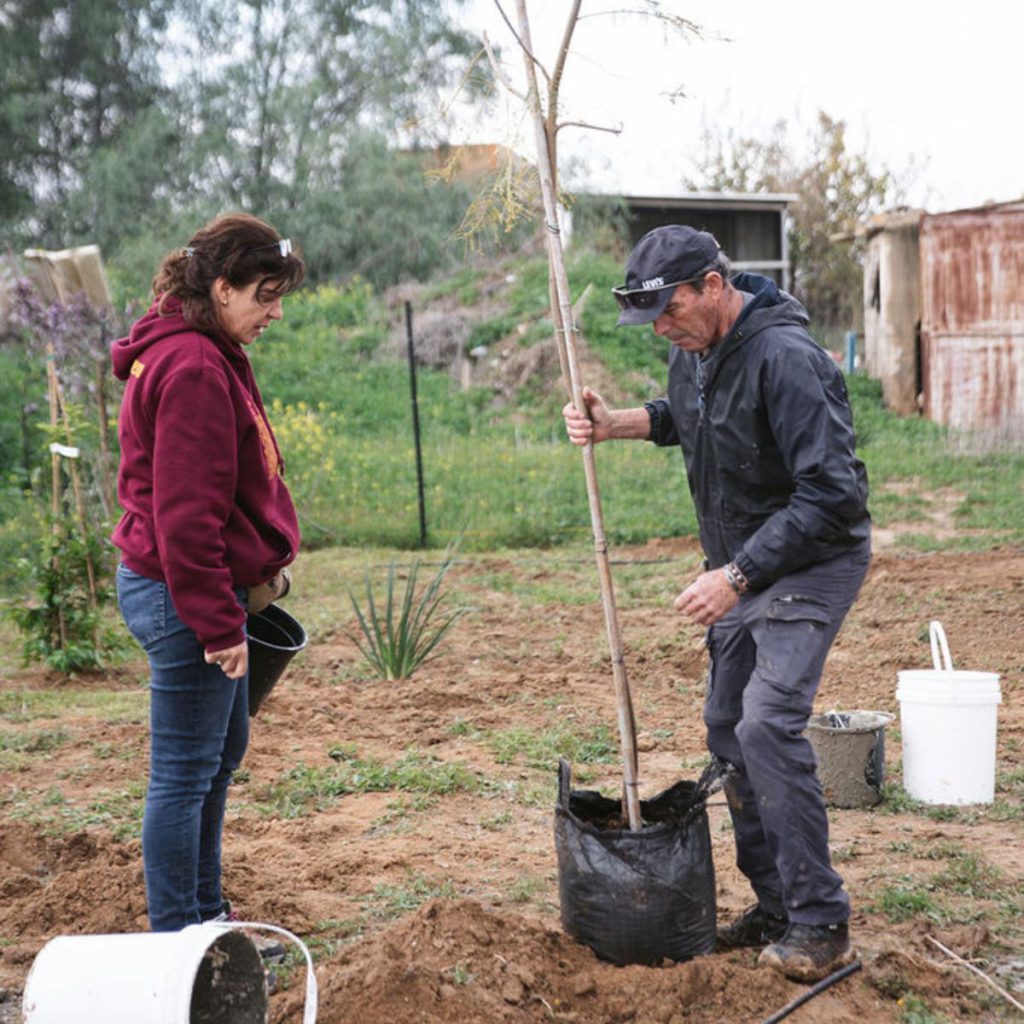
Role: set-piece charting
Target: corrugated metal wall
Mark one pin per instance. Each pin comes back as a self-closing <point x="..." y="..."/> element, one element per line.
<point x="972" y="318"/>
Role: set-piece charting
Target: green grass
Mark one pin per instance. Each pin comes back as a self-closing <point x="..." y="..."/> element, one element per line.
<point x="19" y="706"/>
<point x="541" y="750"/>
<point x="307" y="788"/>
<point x="531" y="890"/>
<point x="902" y="902"/>
<point x="118" y="812"/>
<point x="505" y="475"/>
<point x="33" y="742"/>
<point x="501" y="473"/>
<point x="914" y="1010"/>
<point x="390" y="901"/>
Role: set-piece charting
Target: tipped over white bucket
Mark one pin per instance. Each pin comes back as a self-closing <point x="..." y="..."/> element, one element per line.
<point x="948" y="727"/>
<point x="204" y="974"/>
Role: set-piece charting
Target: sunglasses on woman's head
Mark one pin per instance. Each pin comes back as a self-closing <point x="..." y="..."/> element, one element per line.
<point x="283" y="246"/>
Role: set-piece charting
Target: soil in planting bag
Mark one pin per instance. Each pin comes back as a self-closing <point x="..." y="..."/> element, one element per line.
<point x="637" y="897"/>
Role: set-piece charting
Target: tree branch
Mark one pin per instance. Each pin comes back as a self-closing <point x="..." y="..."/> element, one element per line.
<point x="584" y="124"/>
<point x="981" y="974"/>
<point x="522" y="45"/>
<point x="498" y="73"/>
<point x="677" y="21"/>
<point x="563" y="53"/>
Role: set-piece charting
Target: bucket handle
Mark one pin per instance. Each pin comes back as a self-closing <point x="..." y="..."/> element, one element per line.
<point x="309" y="1011"/>
<point x="937" y="635"/>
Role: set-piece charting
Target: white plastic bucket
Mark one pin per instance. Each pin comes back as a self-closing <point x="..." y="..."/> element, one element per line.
<point x="204" y="974"/>
<point x="948" y="726"/>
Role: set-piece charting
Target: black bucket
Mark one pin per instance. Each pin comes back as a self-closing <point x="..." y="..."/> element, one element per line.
<point x="274" y="639"/>
<point x="636" y="897"/>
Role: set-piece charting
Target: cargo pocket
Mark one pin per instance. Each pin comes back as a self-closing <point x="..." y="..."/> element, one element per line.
<point x="793" y="642"/>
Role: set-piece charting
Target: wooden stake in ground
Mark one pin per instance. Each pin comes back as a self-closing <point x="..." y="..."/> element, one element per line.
<point x="981" y="974"/>
<point x="52" y="395"/>
<point x="565" y="334"/>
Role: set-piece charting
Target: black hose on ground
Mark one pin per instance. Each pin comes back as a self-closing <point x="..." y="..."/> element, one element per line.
<point x="812" y="992"/>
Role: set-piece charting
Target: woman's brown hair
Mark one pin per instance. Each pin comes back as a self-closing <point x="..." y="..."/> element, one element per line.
<point x="241" y="249"/>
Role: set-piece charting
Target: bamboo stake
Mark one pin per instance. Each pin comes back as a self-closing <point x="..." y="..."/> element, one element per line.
<point x="106" y="483"/>
<point x="83" y="521"/>
<point x="565" y="331"/>
<point x="77" y="488"/>
<point x="55" y="487"/>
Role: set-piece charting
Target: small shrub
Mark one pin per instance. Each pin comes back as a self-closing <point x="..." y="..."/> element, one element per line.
<point x="63" y="628"/>
<point x="406" y="631"/>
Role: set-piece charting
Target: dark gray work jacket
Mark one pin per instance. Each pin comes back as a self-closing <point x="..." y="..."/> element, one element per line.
<point x="765" y="426"/>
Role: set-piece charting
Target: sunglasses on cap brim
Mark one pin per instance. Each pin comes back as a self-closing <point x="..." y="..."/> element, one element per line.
<point x="648" y="298"/>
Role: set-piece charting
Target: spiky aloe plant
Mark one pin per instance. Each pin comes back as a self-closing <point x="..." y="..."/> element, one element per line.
<point x="404" y="632"/>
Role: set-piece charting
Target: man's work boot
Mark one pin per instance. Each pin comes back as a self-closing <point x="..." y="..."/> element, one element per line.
<point x="809" y="952"/>
<point x="755" y="927"/>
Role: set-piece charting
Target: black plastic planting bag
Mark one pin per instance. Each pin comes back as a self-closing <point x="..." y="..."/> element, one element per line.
<point x="636" y="897"/>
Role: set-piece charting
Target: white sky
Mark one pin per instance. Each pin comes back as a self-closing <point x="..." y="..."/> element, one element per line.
<point x="931" y="85"/>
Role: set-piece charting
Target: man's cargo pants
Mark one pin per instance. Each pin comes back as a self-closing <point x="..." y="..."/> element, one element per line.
<point x="767" y="655"/>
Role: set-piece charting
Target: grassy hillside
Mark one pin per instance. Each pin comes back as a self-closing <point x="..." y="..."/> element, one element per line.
<point x="496" y="463"/>
<point x="497" y="467"/>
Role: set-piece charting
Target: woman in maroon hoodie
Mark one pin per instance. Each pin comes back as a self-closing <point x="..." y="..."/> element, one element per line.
<point x="207" y="530"/>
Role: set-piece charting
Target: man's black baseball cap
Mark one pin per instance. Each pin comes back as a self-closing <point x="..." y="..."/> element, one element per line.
<point x="663" y="259"/>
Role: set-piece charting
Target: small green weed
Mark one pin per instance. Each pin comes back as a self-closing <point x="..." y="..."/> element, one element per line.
<point x="542" y="749"/>
<point x="529" y="889"/>
<point x="460" y="974"/>
<point x="39" y="742"/>
<point x="914" y="1010"/>
<point x="896" y="800"/>
<point x="969" y="875"/>
<point x="900" y="903"/>
<point x="399" y="810"/>
<point x="497" y="822"/>
<point x="390" y="901"/>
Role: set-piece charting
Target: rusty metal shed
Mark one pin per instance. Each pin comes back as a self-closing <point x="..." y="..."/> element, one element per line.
<point x="972" y="319"/>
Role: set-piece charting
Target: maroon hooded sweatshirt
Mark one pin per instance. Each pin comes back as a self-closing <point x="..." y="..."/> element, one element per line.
<point x="205" y="507"/>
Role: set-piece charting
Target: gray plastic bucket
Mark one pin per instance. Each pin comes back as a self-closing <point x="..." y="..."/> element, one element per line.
<point x="275" y="637"/>
<point x="850" y="747"/>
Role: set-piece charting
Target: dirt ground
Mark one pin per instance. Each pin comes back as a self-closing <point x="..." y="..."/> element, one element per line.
<point x="443" y="907"/>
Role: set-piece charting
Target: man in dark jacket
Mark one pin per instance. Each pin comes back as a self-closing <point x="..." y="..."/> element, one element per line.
<point x="763" y="418"/>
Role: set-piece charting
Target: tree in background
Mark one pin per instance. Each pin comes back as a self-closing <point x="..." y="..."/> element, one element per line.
<point x="73" y="78"/>
<point x="837" y="190"/>
<point x="279" y="87"/>
<point x="133" y="121"/>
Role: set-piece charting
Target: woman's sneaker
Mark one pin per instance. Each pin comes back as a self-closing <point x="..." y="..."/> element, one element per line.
<point x="755" y="927"/>
<point x="809" y="952"/>
<point x="270" y="950"/>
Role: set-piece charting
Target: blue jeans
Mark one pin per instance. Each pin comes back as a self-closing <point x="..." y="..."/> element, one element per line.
<point x="767" y="656"/>
<point x="199" y="725"/>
